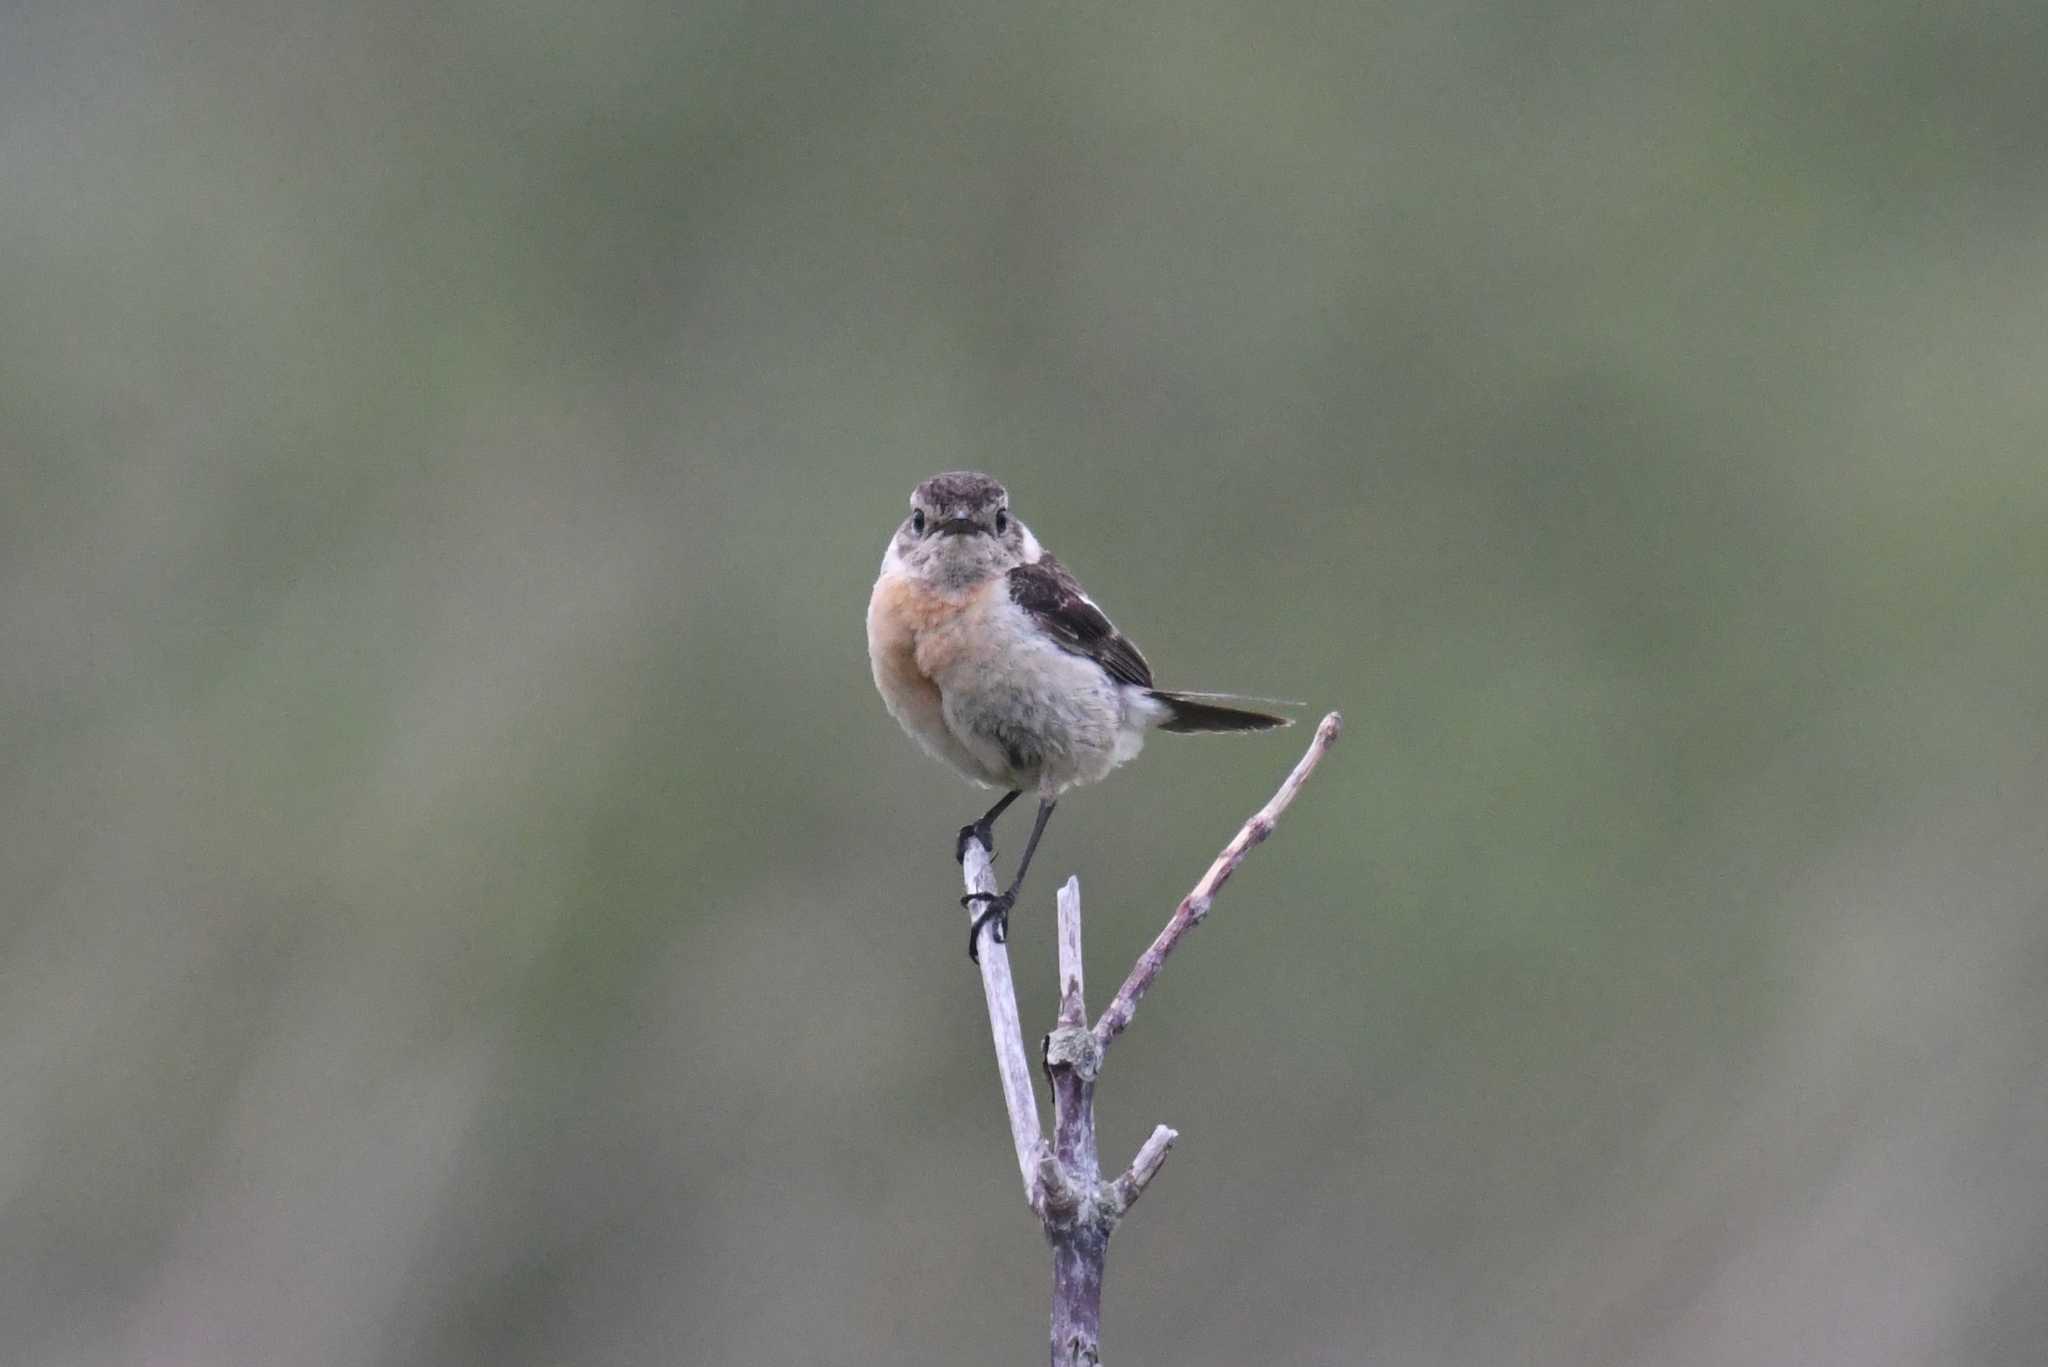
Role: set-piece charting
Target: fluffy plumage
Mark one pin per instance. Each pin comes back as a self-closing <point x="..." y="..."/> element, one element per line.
<point x="990" y="654"/>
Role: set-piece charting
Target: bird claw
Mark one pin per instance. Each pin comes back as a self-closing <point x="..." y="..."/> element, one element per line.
<point x="974" y="832"/>
<point x="996" y="916"/>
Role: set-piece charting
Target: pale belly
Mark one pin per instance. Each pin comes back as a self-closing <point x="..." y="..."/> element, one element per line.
<point x="1040" y="716"/>
<point x="977" y="685"/>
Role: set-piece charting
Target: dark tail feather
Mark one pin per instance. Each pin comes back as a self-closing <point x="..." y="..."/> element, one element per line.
<point x="1192" y="712"/>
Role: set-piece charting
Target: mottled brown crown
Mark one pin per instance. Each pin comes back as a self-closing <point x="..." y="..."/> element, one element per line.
<point x="960" y="489"/>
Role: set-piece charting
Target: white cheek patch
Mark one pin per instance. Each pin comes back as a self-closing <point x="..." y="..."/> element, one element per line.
<point x="1033" y="552"/>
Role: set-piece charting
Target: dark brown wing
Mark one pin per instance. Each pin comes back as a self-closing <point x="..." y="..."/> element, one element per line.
<point x="1056" y="600"/>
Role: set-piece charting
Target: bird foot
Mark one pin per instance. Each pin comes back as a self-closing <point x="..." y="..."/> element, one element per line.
<point x="995" y="915"/>
<point x="982" y="832"/>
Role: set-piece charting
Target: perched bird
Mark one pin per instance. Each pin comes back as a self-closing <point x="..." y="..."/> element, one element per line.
<point x="996" y="661"/>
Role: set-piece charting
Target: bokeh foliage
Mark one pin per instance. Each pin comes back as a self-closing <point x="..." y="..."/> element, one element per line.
<point x="465" y="904"/>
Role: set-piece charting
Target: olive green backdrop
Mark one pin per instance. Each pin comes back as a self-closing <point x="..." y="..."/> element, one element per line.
<point x="463" y="902"/>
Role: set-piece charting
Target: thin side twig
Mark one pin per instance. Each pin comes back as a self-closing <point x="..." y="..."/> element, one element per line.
<point x="1151" y="1157"/>
<point x="1193" y="907"/>
<point x="1073" y="1008"/>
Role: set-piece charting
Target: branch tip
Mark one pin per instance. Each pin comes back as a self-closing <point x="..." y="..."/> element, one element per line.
<point x="1144" y="1167"/>
<point x="1072" y="1008"/>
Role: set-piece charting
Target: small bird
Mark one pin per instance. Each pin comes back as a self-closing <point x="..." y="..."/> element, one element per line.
<point x="996" y="661"/>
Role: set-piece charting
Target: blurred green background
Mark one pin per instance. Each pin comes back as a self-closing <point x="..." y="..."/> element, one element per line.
<point x="464" y="902"/>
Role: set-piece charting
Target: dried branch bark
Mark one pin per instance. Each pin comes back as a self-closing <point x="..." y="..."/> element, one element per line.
<point x="1012" y="1066"/>
<point x="1193" y="907"/>
<point x="1063" y="1180"/>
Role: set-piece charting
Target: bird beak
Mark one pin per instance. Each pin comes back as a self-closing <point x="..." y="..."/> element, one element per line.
<point x="960" y="526"/>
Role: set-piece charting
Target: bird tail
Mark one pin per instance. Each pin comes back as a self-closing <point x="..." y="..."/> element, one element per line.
<point x="1193" y="712"/>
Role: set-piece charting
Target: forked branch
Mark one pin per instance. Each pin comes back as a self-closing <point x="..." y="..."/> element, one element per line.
<point x="1063" y="1179"/>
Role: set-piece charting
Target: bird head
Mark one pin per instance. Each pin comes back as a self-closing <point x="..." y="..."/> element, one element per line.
<point x="960" y="532"/>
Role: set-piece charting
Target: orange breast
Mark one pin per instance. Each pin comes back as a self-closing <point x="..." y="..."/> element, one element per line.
<point x="915" y="633"/>
<point x="917" y="636"/>
<point x="900" y="614"/>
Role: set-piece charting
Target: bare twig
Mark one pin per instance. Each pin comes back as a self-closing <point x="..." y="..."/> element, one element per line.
<point x="1063" y="1179"/>
<point x="1195" y="905"/>
<point x="1071" y="1056"/>
<point x="1011" y="1063"/>
<point x="1073" y="1010"/>
<point x="1151" y="1157"/>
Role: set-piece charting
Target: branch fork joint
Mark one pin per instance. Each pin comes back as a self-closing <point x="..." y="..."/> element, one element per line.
<point x="1062" y="1177"/>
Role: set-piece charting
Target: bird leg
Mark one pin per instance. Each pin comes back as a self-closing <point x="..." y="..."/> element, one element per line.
<point x="996" y="913"/>
<point x="984" y="830"/>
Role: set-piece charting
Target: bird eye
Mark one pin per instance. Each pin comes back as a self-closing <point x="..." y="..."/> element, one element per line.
<point x="917" y="522"/>
<point x="1002" y="521"/>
